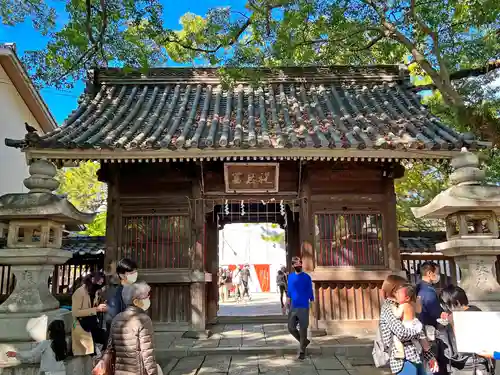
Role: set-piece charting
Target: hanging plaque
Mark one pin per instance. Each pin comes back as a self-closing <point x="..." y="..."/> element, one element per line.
<point x="251" y="177"/>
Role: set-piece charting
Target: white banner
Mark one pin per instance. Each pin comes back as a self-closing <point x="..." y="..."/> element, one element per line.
<point x="477" y="331"/>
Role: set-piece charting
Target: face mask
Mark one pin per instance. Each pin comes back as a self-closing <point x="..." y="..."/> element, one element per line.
<point x="131" y="278"/>
<point x="437" y="279"/>
<point x="146" y="304"/>
<point x="298" y="269"/>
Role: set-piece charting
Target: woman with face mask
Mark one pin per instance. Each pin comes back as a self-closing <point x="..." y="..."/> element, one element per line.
<point x="85" y="331"/>
<point x="126" y="274"/>
<point x="132" y="334"/>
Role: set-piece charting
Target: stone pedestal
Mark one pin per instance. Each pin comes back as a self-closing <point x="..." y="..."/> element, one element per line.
<point x="34" y="224"/>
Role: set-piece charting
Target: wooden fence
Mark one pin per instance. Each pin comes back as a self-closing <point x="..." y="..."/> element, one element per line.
<point x="62" y="281"/>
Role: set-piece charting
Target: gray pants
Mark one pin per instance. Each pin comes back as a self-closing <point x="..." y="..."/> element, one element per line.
<point x="300" y="317"/>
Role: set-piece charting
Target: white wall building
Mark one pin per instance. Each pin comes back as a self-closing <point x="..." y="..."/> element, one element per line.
<point x="243" y="244"/>
<point x="20" y="102"/>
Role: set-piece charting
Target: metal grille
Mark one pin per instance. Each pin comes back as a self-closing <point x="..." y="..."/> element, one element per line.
<point x="344" y="240"/>
<point x="157" y="241"/>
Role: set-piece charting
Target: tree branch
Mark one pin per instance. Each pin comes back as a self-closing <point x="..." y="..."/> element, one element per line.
<point x="443" y="70"/>
<point x="233" y="40"/>
<point x="88" y="17"/>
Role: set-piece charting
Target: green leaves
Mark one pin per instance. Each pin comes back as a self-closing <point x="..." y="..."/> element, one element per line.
<point x="42" y="16"/>
<point x="421" y="183"/>
<point x="86" y="193"/>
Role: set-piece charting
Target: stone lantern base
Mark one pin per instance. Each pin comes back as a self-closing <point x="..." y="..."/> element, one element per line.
<point x="476" y="258"/>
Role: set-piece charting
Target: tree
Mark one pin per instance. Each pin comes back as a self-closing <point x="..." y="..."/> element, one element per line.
<point x="85" y="192"/>
<point x="43" y="17"/>
<point x="272" y="233"/>
<point x="444" y="43"/>
<point x="421" y="183"/>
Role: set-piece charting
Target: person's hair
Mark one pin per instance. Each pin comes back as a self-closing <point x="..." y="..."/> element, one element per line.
<point x="57" y="336"/>
<point x="428" y="266"/>
<point x="87" y="281"/>
<point x="411" y="291"/>
<point x="453" y="296"/>
<point x="125" y="265"/>
<point x="280" y="272"/>
<point x="135" y="291"/>
<point x="391" y="284"/>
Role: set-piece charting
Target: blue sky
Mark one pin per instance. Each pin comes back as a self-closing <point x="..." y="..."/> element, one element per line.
<point x="61" y="103"/>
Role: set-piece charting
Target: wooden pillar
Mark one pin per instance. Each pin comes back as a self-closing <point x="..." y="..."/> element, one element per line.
<point x="113" y="219"/>
<point x="211" y="265"/>
<point x="306" y="224"/>
<point x="197" y="289"/>
<point x="390" y="229"/>
<point x="292" y="238"/>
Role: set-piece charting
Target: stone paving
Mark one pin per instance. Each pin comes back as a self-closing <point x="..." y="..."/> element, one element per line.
<point x="262" y="304"/>
<point x="266" y="364"/>
<point x="257" y="339"/>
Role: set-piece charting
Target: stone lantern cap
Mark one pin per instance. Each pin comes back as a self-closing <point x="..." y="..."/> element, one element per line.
<point x="40" y="203"/>
<point x="468" y="192"/>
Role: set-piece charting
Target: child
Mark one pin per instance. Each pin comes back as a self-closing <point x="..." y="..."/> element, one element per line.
<point x="408" y="307"/>
<point x="50" y="353"/>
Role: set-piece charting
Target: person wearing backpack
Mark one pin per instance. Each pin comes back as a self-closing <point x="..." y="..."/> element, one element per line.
<point x="390" y="325"/>
<point x="282" y="283"/>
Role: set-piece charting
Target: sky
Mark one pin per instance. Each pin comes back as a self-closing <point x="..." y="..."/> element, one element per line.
<point x="60" y="102"/>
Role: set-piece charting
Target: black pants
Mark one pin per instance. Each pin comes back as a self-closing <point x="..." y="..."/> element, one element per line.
<point x="245" y="289"/>
<point x="438" y="347"/>
<point x="299" y="317"/>
<point x="283" y="293"/>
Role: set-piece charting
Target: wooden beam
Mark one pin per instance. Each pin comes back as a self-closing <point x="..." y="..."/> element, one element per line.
<point x="306" y="224"/>
<point x="113" y="219"/>
<point x="390" y="225"/>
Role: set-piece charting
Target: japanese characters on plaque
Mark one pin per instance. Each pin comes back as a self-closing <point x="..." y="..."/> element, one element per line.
<point x="251" y="177"/>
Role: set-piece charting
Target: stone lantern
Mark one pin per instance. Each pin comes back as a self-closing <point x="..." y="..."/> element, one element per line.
<point x="470" y="209"/>
<point x="33" y="224"/>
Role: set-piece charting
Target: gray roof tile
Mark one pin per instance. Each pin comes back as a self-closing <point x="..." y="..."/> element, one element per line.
<point x="182" y="108"/>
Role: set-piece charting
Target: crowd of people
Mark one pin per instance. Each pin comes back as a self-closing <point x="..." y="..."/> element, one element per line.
<point x="234" y="284"/>
<point x="111" y="331"/>
<point x="416" y="331"/>
<point x="113" y="334"/>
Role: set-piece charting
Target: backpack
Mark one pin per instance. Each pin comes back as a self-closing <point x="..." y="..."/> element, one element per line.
<point x="281" y="279"/>
<point x="380" y="353"/>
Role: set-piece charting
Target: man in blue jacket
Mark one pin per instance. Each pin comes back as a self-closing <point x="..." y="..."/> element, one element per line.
<point x="431" y="309"/>
<point x="300" y="297"/>
<point x="126" y="272"/>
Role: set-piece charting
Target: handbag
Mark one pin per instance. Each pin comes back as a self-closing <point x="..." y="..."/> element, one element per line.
<point x="106" y="365"/>
<point x="88" y="323"/>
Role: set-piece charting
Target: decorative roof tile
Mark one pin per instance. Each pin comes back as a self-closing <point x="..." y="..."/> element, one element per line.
<point x="78" y="245"/>
<point x="420" y="242"/>
<point x="180" y="108"/>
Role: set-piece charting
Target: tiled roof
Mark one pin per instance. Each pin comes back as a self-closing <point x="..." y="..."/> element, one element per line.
<point x="420" y="242"/>
<point x="183" y="108"/>
<point x="79" y="245"/>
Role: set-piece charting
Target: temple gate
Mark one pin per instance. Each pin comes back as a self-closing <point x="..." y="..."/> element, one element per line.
<point x="183" y="155"/>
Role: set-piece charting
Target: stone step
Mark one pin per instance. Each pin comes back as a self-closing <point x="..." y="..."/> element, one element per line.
<point x="359" y="353"/>
<point x="251" y="319"/>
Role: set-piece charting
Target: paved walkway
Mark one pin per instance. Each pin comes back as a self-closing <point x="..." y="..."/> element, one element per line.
<point x="257" y="339"/>
<point x="266" y="364"/>
<point x="262" y="304"/>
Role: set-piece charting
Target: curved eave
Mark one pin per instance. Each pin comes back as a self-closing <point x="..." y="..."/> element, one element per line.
<point x="62" y="212"/>
<point x="165" y="155"/>
<point x="447" y="203"/>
